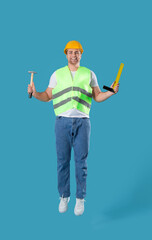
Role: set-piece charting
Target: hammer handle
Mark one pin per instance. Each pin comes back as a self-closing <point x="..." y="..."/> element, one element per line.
<point x="118" y="75"/>
<point x="30" y="95"/>
<point x="31" y="83"/>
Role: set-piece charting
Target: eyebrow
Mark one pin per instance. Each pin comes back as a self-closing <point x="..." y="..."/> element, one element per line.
<point x="74" y="51"/>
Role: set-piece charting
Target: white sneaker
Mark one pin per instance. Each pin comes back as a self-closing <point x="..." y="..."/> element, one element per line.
<point x="79" y="207"/>
<point x="63" y="205"/>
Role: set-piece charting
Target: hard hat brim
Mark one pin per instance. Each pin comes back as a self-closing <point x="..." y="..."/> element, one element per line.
<point x="73" y="45"/>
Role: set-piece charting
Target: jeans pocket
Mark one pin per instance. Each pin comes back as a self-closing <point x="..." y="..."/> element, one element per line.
<point x="58" y="117"/>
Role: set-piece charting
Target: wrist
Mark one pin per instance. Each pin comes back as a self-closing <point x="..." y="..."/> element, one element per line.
<point x="110" y="93"/>
<point x="34" y="94"/>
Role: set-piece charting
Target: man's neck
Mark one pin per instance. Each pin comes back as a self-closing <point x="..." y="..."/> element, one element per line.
<point x="73" y="67"/>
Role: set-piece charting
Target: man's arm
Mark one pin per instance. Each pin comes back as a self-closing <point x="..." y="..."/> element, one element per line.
<point x="99" y="96"/>
<point x="45" y="96"/>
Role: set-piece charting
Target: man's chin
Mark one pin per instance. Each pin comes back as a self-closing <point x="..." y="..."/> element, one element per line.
<point x="74" y="62"/>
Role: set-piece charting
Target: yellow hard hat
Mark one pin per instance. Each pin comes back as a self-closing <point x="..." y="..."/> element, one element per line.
<point x="73" y="44"/>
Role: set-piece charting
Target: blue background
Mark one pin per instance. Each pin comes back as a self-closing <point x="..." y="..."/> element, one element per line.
<point x="119" y="184"/>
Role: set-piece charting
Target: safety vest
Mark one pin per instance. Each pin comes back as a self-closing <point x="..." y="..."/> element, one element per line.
<point x="72" y="92"/>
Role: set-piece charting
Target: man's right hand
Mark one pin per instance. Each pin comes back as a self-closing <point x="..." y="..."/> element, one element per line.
<point x="45" y="96"/>
<point x="32" y="89"/>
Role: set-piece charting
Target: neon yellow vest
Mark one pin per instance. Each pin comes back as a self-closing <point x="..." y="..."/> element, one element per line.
<point x="72" y="93"/>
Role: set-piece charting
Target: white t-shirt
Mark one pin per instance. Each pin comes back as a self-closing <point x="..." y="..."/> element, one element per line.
<point x="73" y="112"/>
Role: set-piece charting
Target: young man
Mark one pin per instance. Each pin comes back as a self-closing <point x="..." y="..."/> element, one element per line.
<point x="72" y="88"/>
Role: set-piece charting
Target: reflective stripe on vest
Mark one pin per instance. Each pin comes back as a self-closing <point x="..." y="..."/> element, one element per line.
<point x="72" y="93"/>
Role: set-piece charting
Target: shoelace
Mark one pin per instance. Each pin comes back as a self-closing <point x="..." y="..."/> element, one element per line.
<point x="79" y="202"/>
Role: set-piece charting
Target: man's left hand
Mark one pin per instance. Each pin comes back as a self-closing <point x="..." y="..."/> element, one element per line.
<point x="116" y="89"/>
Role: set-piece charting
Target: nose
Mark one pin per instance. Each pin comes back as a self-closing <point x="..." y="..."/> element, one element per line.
<point x="73" y="54"/>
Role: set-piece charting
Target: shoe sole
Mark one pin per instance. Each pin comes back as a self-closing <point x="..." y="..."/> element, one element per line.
<point x="78" y="214"/>
<point x="63" y="211"/>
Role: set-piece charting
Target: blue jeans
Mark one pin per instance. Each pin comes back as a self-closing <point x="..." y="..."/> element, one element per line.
<point x="72" y="132"/>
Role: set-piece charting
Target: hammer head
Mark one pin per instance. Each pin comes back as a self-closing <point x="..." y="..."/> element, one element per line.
<point x="31" y="72"/>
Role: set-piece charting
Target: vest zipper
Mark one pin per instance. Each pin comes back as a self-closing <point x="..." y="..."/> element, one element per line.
<point x="72" y="82"/>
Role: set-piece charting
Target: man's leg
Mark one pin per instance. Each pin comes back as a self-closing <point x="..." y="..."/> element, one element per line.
<point x="81" y="143"/>
<point x="63" y="148"/>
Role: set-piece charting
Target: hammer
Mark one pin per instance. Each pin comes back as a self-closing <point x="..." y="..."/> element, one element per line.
<point x="31" y="83"/>
<point x="117" y="79"/>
